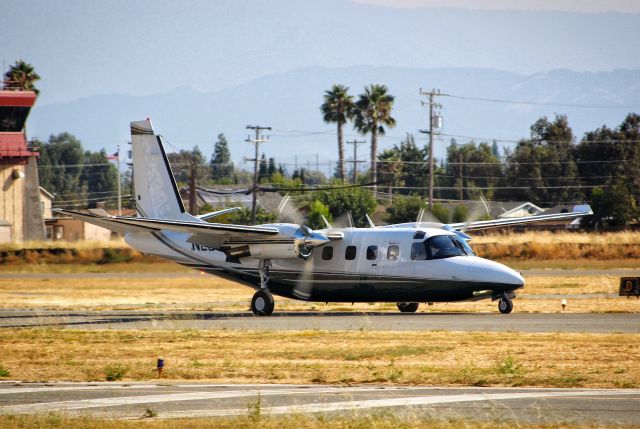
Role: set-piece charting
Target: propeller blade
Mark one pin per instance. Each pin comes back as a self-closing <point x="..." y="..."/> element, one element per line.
<point x="286" y="212"/>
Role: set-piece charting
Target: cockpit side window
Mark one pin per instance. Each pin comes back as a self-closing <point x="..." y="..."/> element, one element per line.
<point x="467" y="248"/>
<point x="419" y="235"/>
<point x="463" y="246"/>
<point x="442" y="246"/>
<point x="418" y="251"/>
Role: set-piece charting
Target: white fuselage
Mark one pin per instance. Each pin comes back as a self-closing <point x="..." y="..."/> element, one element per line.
<point x="344" y="270"/>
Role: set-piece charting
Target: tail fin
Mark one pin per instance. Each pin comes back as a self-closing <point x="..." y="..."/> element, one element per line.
<point x="155" y="187"/>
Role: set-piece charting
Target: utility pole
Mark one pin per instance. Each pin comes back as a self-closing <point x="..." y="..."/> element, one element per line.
<point x="460" y="174"/>
<point x="192" y="187"/>
<point x="119" y="180"/>
<point x="355" y="161"/>
<point x="432" y="124"/>
<point x="256" y="142"/>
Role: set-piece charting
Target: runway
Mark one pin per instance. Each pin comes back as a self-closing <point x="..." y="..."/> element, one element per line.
<point x="341" y="321"/>
<point x="131" y="400"/>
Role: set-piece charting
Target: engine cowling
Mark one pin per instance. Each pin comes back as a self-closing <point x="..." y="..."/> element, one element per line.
<point x="299" y="244"/>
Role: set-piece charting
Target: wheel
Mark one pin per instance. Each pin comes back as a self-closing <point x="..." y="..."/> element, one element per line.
<point x="505" y="305"/>
<point x="262" y="303"/>
<point x="408" y="307"/>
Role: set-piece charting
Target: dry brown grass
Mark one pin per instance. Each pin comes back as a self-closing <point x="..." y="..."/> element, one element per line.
<point x="412" y="358"/>
<point x="545" y="245"/>
<point x="546" y="237"/>
<point x="211" y="293"/>
<point x="560" y="249"/>
<point x="378" y="420"/>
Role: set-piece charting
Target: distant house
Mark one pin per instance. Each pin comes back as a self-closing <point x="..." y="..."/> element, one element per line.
<point x="68" y="229"/>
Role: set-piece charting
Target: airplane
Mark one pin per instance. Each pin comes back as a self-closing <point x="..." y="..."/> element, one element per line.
<point x="406" y="264"/>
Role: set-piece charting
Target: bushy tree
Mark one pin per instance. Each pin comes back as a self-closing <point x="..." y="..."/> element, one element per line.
<point x="316" y="211"/>
<point x="340" y="201"/>
<point x="543" y="166"/>
<point x="100" y="177"/>
<point x="220" y="164"/>
<point x="61" y="164"/>
<point x="405" y="209"/>
<point x="472" y="166"/>
<point x="181" y="164"/>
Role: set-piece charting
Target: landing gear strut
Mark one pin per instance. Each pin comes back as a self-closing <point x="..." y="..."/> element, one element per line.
<point x="262" y="302"/>
<point x="408" y="307"/>
<point x="505" y="305"/>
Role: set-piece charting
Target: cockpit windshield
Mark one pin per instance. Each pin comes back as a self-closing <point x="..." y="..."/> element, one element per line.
<point x="439" y="247"/>
<point x="442" y="246"/>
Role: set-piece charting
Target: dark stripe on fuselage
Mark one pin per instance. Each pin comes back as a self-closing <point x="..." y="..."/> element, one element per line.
<point x="346" y="287"/>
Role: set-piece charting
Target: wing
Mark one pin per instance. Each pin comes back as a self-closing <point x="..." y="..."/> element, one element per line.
<point x="202" y="232"/>
<point x="578" y="211"/>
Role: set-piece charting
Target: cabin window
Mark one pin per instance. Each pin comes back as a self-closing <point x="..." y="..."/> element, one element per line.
<point x="372" y="253"/>
<point x="327" y="253"/>
<point x="419" y="235"/>
<point x="350" y="253"/>
<point x="392" y="252"/>
<point x="442" y="246"/>
<point x="418" y="251"/>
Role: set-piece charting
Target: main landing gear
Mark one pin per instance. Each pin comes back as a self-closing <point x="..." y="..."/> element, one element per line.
<point x="408" y="307"/>
<point x="262" y="302"/>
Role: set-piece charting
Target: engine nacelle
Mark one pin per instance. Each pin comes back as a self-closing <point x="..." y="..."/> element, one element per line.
<point x="273" y="251"/>
<point x="299" y="244"/>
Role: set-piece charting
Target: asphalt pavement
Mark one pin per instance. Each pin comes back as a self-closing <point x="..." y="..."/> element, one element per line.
<point x="341" y="321"/>
<point x="173" y="400"/>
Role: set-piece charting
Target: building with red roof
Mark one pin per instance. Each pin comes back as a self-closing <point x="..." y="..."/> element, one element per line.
<point x="21" y="215"/>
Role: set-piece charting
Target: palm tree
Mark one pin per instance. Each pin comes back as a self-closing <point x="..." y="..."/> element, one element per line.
<point x="21" y="76"/>
<point x="338" y="107"/>
<point x="372" y="113"/>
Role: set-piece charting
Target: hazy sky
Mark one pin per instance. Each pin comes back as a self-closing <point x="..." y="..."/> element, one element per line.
<point x="582" y="6"/>
<point x="87" y="47"/>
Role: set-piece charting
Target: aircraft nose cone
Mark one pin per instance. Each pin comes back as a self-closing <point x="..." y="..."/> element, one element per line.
<point x="315" y="239"/>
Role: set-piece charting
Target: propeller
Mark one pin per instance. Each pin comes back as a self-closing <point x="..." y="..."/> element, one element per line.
<point x="287" y="213"/>
<point x="303" y="284"/>
<point x="306" y="240"/>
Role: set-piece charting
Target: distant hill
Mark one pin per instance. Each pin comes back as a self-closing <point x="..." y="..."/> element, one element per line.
<point x="289" y="102"/>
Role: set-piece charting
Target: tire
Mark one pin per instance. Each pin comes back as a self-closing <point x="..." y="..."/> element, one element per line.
<point x="262" y="303"/>
<point x="408" y="307"/>
<point x="505" y="305"/>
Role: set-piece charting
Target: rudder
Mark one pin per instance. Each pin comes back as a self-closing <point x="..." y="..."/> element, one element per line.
<point x="156" y="192"/>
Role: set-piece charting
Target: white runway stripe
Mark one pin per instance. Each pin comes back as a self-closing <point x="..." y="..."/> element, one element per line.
<point x="394" y="402"/>
<point x="171" y="397"/>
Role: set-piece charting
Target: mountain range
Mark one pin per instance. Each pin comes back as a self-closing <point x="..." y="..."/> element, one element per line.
<point x="289" y="103"/>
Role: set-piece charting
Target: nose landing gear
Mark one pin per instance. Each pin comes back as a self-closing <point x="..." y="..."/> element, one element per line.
<point x="505" y="305"/>
<point x="408" y="307"/>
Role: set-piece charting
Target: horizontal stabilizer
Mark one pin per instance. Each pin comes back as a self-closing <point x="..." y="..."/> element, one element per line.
<point x="137" y="224"/>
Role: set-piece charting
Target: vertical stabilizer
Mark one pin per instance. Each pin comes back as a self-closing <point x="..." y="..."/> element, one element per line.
<point x="155" y="187"/>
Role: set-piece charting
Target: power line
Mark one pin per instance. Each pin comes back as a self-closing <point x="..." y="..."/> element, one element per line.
<point x="541" y="103"/>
